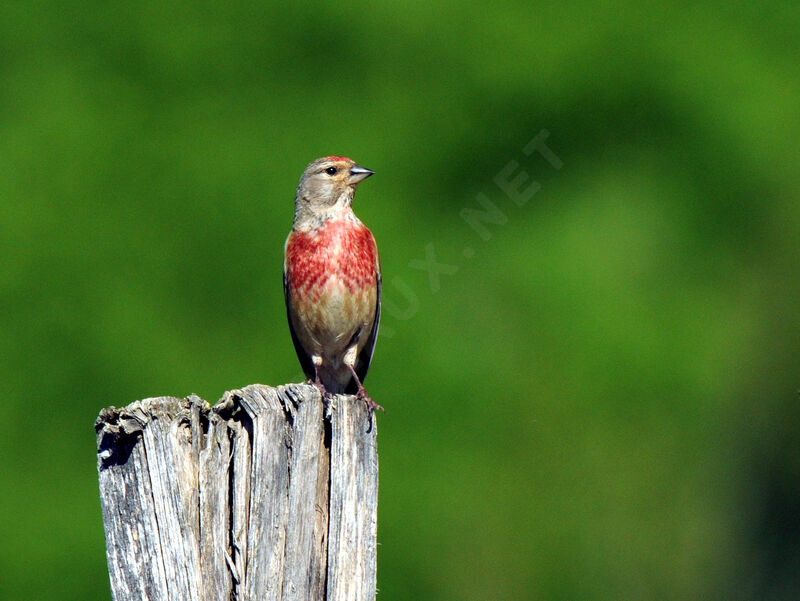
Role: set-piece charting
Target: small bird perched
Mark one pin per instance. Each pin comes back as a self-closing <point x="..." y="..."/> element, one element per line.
<point x="332" y="279"/>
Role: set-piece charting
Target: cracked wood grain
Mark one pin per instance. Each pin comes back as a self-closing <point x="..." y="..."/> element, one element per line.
<point x="271" y="495"/>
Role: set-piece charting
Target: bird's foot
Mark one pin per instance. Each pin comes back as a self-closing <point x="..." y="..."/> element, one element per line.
<point x="371" y="405"/>
<point x="319" y="386"/>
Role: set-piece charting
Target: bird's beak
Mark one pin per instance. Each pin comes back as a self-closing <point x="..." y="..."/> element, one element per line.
<point x="358" y="174"/>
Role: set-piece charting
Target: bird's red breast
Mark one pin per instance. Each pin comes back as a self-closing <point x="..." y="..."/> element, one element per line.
<point x="341" y="250"/>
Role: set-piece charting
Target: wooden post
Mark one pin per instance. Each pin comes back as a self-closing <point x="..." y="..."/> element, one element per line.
<point x="269" y="495"/>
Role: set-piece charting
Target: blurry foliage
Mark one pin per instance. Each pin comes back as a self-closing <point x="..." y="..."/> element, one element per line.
<point x="600" y="403"/>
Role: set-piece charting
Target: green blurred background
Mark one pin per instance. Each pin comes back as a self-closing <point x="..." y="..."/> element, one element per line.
<point x="598" y="402"/>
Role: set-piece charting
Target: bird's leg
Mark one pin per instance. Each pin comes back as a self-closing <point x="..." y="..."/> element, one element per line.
<point x="362" y="393"/>
<point x="317" y="383"/>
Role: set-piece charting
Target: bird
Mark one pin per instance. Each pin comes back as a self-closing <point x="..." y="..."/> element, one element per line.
<point x="332" y="280"/>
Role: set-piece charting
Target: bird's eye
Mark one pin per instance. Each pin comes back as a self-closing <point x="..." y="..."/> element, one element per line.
<point x="331" y="170"/>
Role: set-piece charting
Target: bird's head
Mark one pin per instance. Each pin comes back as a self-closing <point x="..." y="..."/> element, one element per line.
<point x="328" y="184"/>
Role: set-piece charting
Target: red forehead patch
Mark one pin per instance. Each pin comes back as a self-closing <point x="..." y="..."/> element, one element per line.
<point x="338" y="158"/>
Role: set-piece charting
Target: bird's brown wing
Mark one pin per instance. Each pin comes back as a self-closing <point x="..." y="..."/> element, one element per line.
<point x="302" y="355"/>
<point x="365" y="356"/>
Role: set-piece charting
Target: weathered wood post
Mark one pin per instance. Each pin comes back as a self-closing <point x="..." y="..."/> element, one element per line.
<point x="269" y="495"/>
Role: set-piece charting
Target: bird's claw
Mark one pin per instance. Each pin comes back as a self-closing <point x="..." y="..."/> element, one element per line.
<point x="371" y="405"/>
<point x="319" y="386"/>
